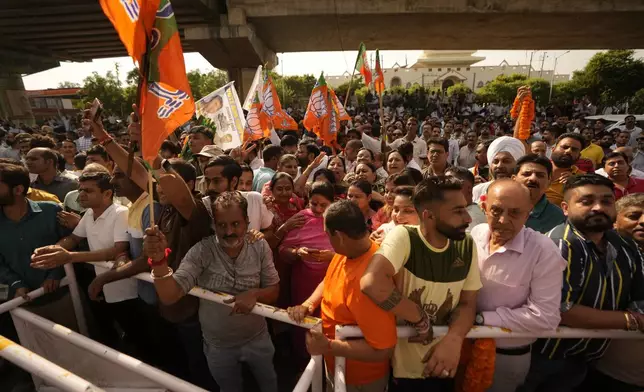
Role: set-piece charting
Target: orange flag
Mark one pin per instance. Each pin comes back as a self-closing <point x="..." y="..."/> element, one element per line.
<point x="342" y="113"/>
<point x="318" y="108"/>
<point x="379" y="82"/>
<point x="272" y="107"/>
<point x="256" y="122"/>
<point x="166" y="100"/>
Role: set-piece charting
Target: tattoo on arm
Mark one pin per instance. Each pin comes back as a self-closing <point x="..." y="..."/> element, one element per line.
<point x="392" y="301"/>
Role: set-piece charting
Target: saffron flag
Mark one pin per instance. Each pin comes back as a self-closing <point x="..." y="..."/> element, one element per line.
<point x="256" y="122"/>
<point x="166" y="100"/>
<point x="362" y="64"/>
<point x="342" y="113"/>
<point x="318" y="108"/>
<point x="272" y="107"/>
<point x="379" y="82"/>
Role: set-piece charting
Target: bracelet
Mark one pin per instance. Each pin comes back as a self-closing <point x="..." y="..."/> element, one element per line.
<point x="628" y="321"/>
<point x="164" y="260"/>
<point x="167" y="275"/>
<point x="635" y="324"/>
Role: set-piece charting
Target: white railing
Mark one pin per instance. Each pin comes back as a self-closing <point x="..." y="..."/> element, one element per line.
<point x="313" y="373"/>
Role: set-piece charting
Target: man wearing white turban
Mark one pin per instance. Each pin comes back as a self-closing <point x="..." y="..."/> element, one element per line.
<point x="502" y="156"/>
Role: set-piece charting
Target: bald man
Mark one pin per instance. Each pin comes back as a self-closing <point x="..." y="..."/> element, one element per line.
<point x="628" y="151"/>
<point x="521" y="272"/>
<point x="539" y="147"/>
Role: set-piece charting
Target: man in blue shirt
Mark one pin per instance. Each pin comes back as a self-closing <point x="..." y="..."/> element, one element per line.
<point x="26" y="225"/>
<point x="535" y="172"/>
<point x="272" y="155"/>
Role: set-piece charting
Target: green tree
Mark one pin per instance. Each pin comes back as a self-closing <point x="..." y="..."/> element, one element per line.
<point x="203" y="84"/>
<point x="611" y="77"/>
<point x="637" y="103"/>
<point x="108" y="89"/>
<point x="458" y="89"/>
<point x="503" y="89"/>
<point x="67" y="84"/>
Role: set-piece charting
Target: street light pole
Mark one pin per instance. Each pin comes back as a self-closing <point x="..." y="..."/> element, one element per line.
<point x="552" y="77"/>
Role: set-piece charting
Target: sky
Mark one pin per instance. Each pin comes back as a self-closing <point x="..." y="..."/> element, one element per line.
<point x="331" y="63"/>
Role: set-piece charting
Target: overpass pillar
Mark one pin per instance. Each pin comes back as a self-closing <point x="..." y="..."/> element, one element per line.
<point x="14" y="103"/>
<point x="234" y="46"/>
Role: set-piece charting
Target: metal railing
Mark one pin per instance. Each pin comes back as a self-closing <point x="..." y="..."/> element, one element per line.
<point x="313" y="373"/>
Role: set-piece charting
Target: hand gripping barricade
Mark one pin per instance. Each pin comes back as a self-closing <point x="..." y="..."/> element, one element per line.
<point x="120" y="372"/>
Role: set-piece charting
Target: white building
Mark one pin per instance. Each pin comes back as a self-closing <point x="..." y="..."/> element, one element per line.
<point x="443" y="68"/>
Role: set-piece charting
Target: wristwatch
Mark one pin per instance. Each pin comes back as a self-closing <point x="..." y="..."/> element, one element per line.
<point x="479" y="320"/>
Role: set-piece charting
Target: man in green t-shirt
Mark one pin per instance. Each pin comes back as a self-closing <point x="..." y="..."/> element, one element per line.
<point x="428" y="275"/>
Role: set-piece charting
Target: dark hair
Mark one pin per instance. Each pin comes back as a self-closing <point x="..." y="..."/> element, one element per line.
<point x="42" y="141"/>
<point x="49" y="155"/>
<point x="353" y="130"/>
<point x="102" y="180"/>
<point x="613" y="154"/>
<point x="460" y="173"/>
<point x="69" y="141"/>
<point x="231" y="169"/>
<point x="14" y="175"/>
<point x="173" y="147"/>
<point x="288" y="141"/>
<point x="406" y="150"/>
<point x="326" y="173"/>
<point x="415" y="174"/>
<point x="80" y="160"/>
<point x="487" y="143"/>
<point x="371" y="154"/>
<point x="279" y="176"/>
<point x="404" y="190"/>
<point x="186" y="170"/>
<point x="536" y="159"/>
<point x="371" y="167"/>
<point x="99" y="150"/>
<point x="433" y="189"/>
<point x="245" y="168"/>
<point x="363" y="185"/>
<point x="207" y="132"/>
<point x="345" y="217"/>
<point x="60" y="166"/>
<point x="401" y="178"/>
<point x="338" y="157"/>
<point x="228" y="199"/>
<point x="571" y="135"/>
<point x="12" y="161"/>
<point x="323" y="189"/>
<point x="440" y="142"/>
<point x="271" y="152"/>
<point x="580" y="180"/>
<point x="311" y="148"/>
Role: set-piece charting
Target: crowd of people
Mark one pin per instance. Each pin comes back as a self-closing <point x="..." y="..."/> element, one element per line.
<point x="449" y="221"/>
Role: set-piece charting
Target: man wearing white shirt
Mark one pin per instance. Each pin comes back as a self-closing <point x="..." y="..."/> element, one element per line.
<point x="631" y="127"/>
<point x="628" y="151"/>
<point x="420" y="147"/>
<point x="104" y="225"/>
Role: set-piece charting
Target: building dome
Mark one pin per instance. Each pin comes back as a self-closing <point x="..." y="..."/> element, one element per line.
<point x="437" y="58"/>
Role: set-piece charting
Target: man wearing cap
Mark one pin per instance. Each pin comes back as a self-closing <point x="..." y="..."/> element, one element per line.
<point x="631" y="127"/>
<point x="206" y="154"/>
<point x="199" y="137"/>
<point x="502" y="156"/>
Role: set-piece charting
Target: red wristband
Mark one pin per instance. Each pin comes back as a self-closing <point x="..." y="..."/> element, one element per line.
<point x="164" y="260"/>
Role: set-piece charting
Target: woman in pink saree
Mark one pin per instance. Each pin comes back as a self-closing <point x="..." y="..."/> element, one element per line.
<point x="309" y="250"/>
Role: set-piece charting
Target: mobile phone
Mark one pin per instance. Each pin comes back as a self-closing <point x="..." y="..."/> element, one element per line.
<point x="96" y="110"/>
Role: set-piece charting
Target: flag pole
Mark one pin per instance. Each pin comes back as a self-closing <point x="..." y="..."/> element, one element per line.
<point x="346" y="99"/>
<point x="382" y="119"/>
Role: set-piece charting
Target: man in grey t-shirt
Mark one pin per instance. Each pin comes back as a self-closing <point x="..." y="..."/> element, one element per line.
<point x="225" y="262"/>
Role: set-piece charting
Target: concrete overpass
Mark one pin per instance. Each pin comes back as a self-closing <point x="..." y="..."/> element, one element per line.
<point x="238" y="35"/>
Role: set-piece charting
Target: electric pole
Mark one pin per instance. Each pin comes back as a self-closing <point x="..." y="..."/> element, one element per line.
<point x="530" y="65"/>
<point x="543" y="59"/>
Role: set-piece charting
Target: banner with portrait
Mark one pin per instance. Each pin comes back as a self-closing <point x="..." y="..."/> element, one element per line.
<point x="223" y="109"/>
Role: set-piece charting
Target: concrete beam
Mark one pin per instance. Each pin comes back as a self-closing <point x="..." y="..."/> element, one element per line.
<point x="262" y="8"/>
<point x="14" y="103"/>
<point x="454" y="31"/>
<point x="230" y="46"/>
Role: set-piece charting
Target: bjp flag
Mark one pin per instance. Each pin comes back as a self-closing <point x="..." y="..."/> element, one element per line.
<point x="318" y="108"/>
<point x="166" y="99"/>
<point x="379" y="82"/>
<point x="256" y="122"/>
<point x="273" y="108"/>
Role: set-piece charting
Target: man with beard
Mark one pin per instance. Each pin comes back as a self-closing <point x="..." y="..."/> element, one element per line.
<point x="198" y="138"/>
<point x="548" y="136"/>
<point x="592" y="151"/>
<point x="502" y="156"/>
<point x="603" y="286"/>
<point x="307" y="152"/>
<point x="481" y="169"/>
<point x="437" y="281"/>
<point x="564" y="155"/>
<point x="230" y="263"/>
<point x="222" y="174"/>
<point x="535" y="172"/>
<point x="25" y="226"/>
<point x="618" y="171"/>
<point x="620" y="369"/>
<point x="521" y="276"/>
<point x="44" y="162"/>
